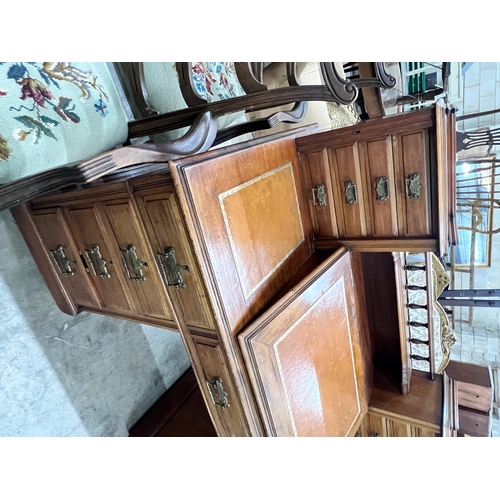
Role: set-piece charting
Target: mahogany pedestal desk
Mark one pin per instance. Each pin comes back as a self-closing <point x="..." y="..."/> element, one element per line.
<point x="252" y="253"/>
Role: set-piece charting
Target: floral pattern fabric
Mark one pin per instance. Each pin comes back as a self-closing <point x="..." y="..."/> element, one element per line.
<point x="56" y="113"/>
<point x="216" y="81"/>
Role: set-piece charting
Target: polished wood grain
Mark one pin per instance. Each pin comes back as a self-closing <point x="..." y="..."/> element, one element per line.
<point x="163" y="222"/>
<point x="394" y="147"/>
<point x="345" y="166"/>
<point x="383" y="315"/>
<point x="88" y="232"/>
<point x="417" y="414"/>
<point x="384" y="245"/>
<point x="23" y="217"/>
<point x="230" y="421"/>
<point x="55" y="233"/>
<point x="123" y="230"/>
<point x="412" y="157"/>
<point x="277" y="221"/>
<point x="379" y="163"/>
<point x="316" y="173"/>
<point x="304" y="356"/>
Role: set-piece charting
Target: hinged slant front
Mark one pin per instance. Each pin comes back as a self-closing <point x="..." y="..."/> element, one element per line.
<point x="304" y="356"/>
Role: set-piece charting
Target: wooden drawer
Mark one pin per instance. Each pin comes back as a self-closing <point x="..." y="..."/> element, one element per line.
<point x="413" y="183"/>
<point x="219" y="391"/>
<point x="65" y="257"/>
<point x="162" y="218"/>
<point x="474" y="396"/>
<point x="103" y="264"/>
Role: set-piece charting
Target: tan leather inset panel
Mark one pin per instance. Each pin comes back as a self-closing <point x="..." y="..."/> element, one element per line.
<point x="262" y="219"/>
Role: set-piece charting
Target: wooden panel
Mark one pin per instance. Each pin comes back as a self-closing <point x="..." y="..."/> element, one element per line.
<point x="228" y="421"/>
<point x="163" y="221"/>
<point x="24" y="221"/>
<point x="345" y="167"/>
<point x="474" y="423"/>
<point x="304" y="357"/>
<point x="424" y="402"/>
<point x="474" y="396"/>
<point x="88" y="232"/>
<point x="412" y="157"/>
<point x="316" y="172"/>
<point x="396" y="428"/>
<point x="148" y="293"/>
<point x="54" y="232"/>
<point x="379" y="164"/>
<point x="373" y="426"/>
<point x="382" y="313"/>
<point x="272" y="223"/>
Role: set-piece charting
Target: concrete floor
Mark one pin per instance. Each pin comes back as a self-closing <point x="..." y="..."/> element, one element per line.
<point x="87" y="375"/>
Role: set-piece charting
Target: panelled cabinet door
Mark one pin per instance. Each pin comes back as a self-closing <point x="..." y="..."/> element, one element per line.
<point x="304" y="357"/>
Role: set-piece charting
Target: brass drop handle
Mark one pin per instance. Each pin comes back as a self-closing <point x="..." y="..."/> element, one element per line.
<point x="351" y="193"/>
<point x="217" y="393"/>
<point x="170" y="269"/>
<point x="382" y="188"/>
<point x="62" y="263"/>
<point x="413" y="186"/>
<point x="96" y="261"/>
<point x="319" y="195"/>
<point x="131" y="254"/>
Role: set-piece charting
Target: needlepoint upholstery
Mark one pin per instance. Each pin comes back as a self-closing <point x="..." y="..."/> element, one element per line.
<point x="52" y="114"/>
<point x="214" y="81"/>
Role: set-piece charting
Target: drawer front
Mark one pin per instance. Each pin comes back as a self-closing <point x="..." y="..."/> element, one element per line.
<point x="137" y="261"/>
<point x="413" y="183"/>
<point x="474" y="396"/>
<point x="163" y="221"/>
<point x="381" y="190"/>
<point x="65" y="257"/>
<point x="105" y="270"/>
<point x="348" y="190"/>
<point x="219" y="391"/>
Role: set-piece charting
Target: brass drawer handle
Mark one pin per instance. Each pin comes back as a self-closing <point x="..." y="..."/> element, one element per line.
<point x="62" y="263"/>
<point x="319" y="196"/>
<point x="351" y="192"/>
<point x="382" y="188"/>
<point x="217" y="393"/>
<point x="95" y="260"/>
<point x="136" y="264"/>
<point x="170" y="269"/>
<point x="413" y="186"/>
